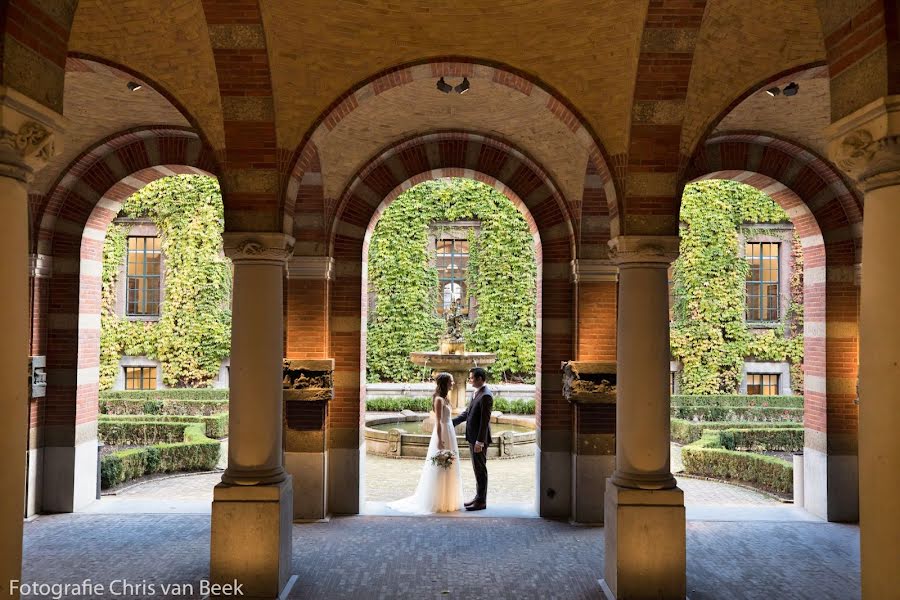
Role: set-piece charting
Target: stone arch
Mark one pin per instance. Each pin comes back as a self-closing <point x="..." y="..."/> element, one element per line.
<point x="827" y="214"/>
<point x="495" y="163"/>
<point x="81" y="205"/>
<point x="603" y="184"/>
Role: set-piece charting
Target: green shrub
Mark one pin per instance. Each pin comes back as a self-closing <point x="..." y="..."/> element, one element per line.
<point x="778" y="439"/>
<point x="167" y="406"/>
<point x="738" y="400"/>
<point x="195" y="452"/>
<point x="167" y="394"/>
<point x="737" y="413"/>
<point x="139" y="433"/>
<point x="707" y="457"/>
<point x="686" y="432"/>
<point x="516" y="407"/>
<point x="216" y="425"/>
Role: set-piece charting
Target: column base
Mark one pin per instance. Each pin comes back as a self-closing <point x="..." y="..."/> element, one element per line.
<point x="250" y="540"/>
<point x="590" y="472"/>
<point x="308" y="471"/>
<point x="645" y="541"/>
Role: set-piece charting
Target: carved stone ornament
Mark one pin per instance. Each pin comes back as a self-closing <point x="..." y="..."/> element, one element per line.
<point x="627" y="249"/>
<point x="866" y="144"/>
<point x="26" y="149"/>
<point x="258" y="246"/>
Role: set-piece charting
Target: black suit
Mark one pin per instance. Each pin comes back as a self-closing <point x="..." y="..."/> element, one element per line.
<point x="478" y="429"/>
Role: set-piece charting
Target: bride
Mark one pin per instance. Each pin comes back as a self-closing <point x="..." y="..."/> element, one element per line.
<point x="439" y="490"/>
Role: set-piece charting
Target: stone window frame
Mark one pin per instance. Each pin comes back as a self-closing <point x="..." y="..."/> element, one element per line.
<point x="782" y="234"/>
<point x="138" y="227"/>
<point x="782" y="369"/>
<point x="135" y="362"/>
<point x="675" y="368"/>
<point x="455" y="230"/>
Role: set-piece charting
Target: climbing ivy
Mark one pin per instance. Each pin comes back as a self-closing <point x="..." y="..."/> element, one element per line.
<point x="192" y="335"/>
<point x="501" y="275"/>
<point x="709" y="334"/>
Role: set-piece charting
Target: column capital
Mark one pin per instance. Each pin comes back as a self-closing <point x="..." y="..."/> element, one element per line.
<point x="30" y="134"/>
<point x="257" y="246"/>
<point x="593" y="269"/>
<point x="311" y="267"/>
<point x="41" y="265"/>
<point x="658" y="250"/>
<point x="866" y="143"/>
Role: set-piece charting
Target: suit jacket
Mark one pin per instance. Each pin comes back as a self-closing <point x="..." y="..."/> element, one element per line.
<point x="478" y="416"/>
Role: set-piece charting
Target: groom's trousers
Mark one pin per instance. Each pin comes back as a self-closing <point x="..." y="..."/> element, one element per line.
<point x="479" y="465"/>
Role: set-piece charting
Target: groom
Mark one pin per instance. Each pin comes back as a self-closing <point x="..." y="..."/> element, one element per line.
<point x="478" y="433"/>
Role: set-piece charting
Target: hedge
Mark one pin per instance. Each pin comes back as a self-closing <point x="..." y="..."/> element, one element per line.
<point x="195" y="452"/>
<point x="686" y="432"/>
<point x="158" y="406"/>
<point x="707" y="457"/>
<point x="168" y="394"/>
<point x="216" y="425"/>
<point x="140" y="433"/>
<point x="737" y="413"/>
<point x="778" y="439"/>
<point x="735" y="400"/>
<point x="513" y="407"/>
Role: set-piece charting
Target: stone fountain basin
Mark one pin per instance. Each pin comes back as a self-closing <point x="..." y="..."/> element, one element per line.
<point x="397" y="443"/>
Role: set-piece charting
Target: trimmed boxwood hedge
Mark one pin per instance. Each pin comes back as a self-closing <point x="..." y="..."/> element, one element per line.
<point x="778" y="439"/>
<point x="709" y="458"/>
<point x="514" y="407"/>
<point x="686" y="432"/>
<point x="168" y="394"/>
<point x="195" y="452"/>
<point x="161" y="406"/>
<point x="216" y="425"/>
<point x="736" y="400"/>
<point x="737" y="413"/>
<point x="139" y="433"/>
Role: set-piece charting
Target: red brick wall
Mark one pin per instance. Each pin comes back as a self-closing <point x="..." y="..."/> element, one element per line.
<point x="597" y="321"/>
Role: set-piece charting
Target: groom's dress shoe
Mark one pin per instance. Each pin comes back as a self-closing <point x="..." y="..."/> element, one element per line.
<point x="471" y="502"/>
<point x="477" y="506"/>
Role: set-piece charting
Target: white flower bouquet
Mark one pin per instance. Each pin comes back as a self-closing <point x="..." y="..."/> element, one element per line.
<point x="443" y="459"/>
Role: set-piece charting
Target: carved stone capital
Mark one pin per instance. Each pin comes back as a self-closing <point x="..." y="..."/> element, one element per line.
<point x="29" y="135"/>
<point x="866" y="144"/>
<point x="311" y="267"/>
<point x="590" y="270"/>
<point x="650" y="250"/>
<point x="255" y="246"/>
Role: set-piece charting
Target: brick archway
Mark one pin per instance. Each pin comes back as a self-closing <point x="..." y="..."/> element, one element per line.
<point x="72" y="230"/>
<point x="601" y="203"/>
<point x="827" y="215"/>
<point x="381" y="180"/>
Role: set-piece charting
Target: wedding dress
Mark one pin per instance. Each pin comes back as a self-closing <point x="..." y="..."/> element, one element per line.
<point x="439" y="490"/>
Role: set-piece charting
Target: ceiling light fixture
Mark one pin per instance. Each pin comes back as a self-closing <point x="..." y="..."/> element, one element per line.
<point x="463" y="87"/>
<point x="134" y="86"/>
<point x="444" y="86"/>
<point x="773" y="91"/>
<point x="791" y="89"/>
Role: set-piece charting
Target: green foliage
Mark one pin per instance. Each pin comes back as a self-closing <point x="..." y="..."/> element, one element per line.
<point x="139" y="433"/>
<point x="738" y="400"/>
<point x="167" y="406"/>
<point x="193" y="333"/>
<point x="761" y="439"/>
<point x="708" y="333"/>
<point x="501" y="275"/>
<point x="216" y="425"/>
<point x="510" y="407"/>
<point x="219" y="394"/>
<point x="737" y="413"/>
<point x="685" y="432"/>
<point x="708" y="457"/>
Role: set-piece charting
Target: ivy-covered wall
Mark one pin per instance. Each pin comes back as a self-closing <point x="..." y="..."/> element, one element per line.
<point x="501" y="275"/>
<point x="709" y="334"/>
<point x="193" y="333"/>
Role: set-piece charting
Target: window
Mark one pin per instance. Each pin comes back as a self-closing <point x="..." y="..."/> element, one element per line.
<point x="452" y="261"/>
<point x="759" y="384"/>
<point x="762" y="281"/>
<point x="143" y="276"/>
<point x="673" y="376"/>
<point x="140" y="378"/>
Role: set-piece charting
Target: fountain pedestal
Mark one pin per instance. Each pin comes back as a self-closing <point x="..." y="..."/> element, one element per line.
<point x="458" y="365"/>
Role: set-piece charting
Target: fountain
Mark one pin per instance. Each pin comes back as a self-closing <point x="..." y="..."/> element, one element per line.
<point x="453" y="358"/>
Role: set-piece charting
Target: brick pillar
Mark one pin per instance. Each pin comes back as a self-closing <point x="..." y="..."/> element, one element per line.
<point x="867" y="145"/>
<point x="251" y="512"/>
<point x="594" y="450"/>
<point x="645" y="519"/>
<point x="41" y="271"/>
<point x="27" y="134"/>
<point x="305" y="444"/>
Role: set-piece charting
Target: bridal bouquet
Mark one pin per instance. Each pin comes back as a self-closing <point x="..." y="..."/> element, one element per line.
<point x="443" y="459"/>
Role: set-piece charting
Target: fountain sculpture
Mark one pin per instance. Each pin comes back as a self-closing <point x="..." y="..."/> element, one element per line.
<point x="453" y="358"/>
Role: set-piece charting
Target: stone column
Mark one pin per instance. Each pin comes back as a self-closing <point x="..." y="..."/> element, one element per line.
<point x="867" y="145"/>
<point x="593" y="457"/>
<point x="252" y="507"/>
<point x="27" y="135"/>
<point x="645" y="519"/>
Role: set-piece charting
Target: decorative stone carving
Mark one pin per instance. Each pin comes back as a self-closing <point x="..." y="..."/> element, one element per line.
<point x="308" y="380"/>
<point x="649" y="249"/>
<point x="27" y="134"/>
<point x="257" y="246"/>
<point x="866" y="144"/>
<point x="588" y="382"/>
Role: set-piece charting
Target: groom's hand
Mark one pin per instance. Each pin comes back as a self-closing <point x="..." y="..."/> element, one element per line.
<point x="479" y="447"/>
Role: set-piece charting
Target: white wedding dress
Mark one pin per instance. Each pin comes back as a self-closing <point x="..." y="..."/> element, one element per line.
<point x="439" y="490"/>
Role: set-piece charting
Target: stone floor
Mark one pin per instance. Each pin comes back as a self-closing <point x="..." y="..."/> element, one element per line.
<point x="431" y="557"/>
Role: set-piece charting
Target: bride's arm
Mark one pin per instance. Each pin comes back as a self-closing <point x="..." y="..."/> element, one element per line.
<point x="437" y="406"/>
